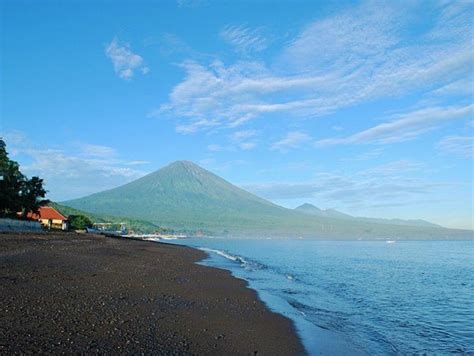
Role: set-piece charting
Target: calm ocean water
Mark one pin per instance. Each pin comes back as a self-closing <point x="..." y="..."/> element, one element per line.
<point x="411" y="297"/>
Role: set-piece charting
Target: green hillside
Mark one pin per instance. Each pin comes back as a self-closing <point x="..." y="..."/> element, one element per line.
<point x="184" y="196"/>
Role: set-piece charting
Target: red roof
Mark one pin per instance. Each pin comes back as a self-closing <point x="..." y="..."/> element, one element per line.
<point x="46" y="212"/>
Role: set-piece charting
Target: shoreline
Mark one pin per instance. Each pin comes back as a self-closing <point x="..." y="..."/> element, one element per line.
<point x="316" y="340"/>
<point x="67" y="292"/>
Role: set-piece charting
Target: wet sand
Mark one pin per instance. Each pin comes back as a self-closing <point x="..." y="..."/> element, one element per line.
<point x="66" y="292"/>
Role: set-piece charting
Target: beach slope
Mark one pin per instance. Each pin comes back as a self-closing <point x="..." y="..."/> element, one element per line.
<point x="84" y="293"/>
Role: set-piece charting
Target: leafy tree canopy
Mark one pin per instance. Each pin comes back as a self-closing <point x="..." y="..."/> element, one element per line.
<point x="79" y="222"/>
<point x="17" y="192"/>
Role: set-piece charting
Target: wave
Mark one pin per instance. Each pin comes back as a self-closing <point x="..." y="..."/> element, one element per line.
<point x="224" y="254"/>
<point x="155" y="239"/>
<point x="243" y="262"/>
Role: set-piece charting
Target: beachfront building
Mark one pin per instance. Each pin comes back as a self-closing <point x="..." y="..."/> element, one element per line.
<point x="50" y="218"/>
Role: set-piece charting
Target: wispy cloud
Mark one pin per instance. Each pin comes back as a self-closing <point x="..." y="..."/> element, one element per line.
<point x="403" y="127"/>
<point x="368" y="155"/>
<point x="244" y="39"/>
<point x="101" y="151"/>
<point x="68" y="176"/>
<point x="245" y="139"/>
<point x="358" y="191"/>
<point x="346" y="39"/>
<point x="463" y="86"/>
<point x="125" y="62"/>
<point x="214" y="147"/>
<point x="196" y="126"/>
<point x="240" y="140"/>
<point x="394" y="168"/>
<point x="350" y="58"/>
<point x="137" y="163"/>
<point x="291" y="140"/>
<point x="69" y="173"/>
<point x="221" y="166"/>
<point x="462" y="146"/>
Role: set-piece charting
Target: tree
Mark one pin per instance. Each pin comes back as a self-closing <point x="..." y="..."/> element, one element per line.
<point x="17" y="192"/>
<point x="79" y="222"/>
<point x="30" y="196"/>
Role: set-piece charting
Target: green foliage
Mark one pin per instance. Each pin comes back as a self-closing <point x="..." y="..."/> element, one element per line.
<point x="185" y="197"/>
<point x="18" y="193"/>
<point x="79" y="222"/>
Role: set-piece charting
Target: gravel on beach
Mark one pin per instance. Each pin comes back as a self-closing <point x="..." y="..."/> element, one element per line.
<point x="68" y="292"/>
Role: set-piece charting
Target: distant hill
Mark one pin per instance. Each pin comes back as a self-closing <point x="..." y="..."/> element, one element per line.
<point x="184" y="196"/>
<point x="313" y="210"/>
<point x="328" y="213"/>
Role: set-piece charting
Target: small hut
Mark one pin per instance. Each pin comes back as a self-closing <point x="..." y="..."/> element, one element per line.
<point x="50" y="218"/>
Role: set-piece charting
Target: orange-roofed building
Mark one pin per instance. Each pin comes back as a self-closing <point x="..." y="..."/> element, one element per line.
<point x="49" y="218"/>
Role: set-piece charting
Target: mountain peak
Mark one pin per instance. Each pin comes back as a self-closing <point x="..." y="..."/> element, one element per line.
<point x="184" y="167"/>
<point x="307" y="206"/>
<point x="180" y="195"/>
<point x="185" y="196"/>
<point x="183" y="163"/>
<point x="314" y="210"/>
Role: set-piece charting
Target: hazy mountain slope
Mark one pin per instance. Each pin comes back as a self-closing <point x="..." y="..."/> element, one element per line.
<point x="180" y="194"/>
<point x="313" y="210"/>
<point x="183" y="195"/>
<point x="330" y="213"/>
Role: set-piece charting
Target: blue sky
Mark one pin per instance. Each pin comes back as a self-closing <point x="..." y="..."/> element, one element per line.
<point x="366" y="107"/>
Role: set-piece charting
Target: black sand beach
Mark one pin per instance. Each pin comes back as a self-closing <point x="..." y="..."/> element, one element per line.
<point x="64" y="293"/>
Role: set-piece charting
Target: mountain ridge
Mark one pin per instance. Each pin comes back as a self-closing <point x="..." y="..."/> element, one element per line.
<point x="314" y="210"/>
<point x="184" y="196"/>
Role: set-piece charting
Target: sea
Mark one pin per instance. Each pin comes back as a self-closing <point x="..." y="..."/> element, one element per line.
<point x="360" y="297"/>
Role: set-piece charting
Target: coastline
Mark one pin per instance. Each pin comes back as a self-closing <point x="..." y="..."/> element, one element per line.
<point x="66" y="292"/>
<point x="316" y="339"/>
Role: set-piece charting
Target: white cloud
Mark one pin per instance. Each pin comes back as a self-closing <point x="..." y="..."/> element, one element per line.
<point x="333" y="63"/>
<point x="240" y="140"/>
<point x="88" y="149"/>
<point x="403" y="127"/>
<point x="293" y="139"/>
<point x="196" y="126"/>
<point x="464" y="86"/>
<point x="222" y="167"/>
<point x="244" y="39"/>
<point x="125" y="62"/>
<point x="70" y="174"/>
<point x="245" y="139"/>
<point x="247" y="145"/>
<point x="355" y="191"/>
<point x="214" y="148"/>
<point x="137" y="163"/>
<point x="368" y="155"/>
<point x="243" y="135"/>
<point x="462" y="146"/>
<point x="394" y="168"/>
<point x="346" y="39"/>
